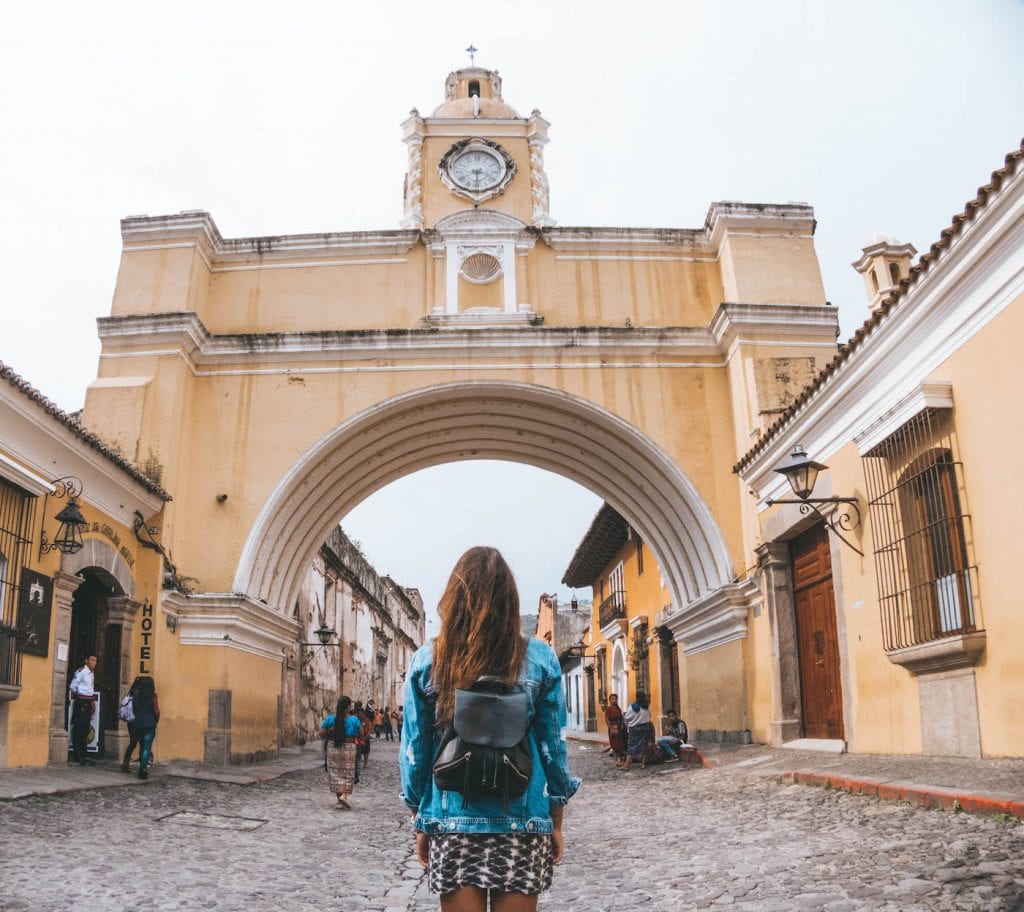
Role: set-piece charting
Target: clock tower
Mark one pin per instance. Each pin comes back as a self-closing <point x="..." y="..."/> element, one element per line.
<point x="474" y="185"/>
<point x="475" y="152"/>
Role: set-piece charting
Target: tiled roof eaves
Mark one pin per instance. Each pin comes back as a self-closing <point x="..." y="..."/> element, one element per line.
<point x="604" y="538"/>
<point x="925" y="262"/>
<point x="87" y="437"/>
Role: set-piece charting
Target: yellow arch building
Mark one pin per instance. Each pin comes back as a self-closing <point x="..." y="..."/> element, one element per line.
<point x="278" y="381"/>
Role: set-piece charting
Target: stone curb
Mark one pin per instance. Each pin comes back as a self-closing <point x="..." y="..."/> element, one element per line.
<point x="929" y="796"/>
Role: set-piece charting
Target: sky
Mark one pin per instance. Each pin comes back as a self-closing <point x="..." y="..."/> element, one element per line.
<point x="284" y="118"/>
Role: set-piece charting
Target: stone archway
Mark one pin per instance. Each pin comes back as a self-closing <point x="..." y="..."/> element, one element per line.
<point x="510" y="421"/>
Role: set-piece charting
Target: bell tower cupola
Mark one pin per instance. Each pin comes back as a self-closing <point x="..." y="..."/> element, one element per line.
<point x="884" y="262"/>
<point x="475" y="152"/>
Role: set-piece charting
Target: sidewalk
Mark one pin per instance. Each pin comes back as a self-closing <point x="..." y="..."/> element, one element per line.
<point x="950" y="783"/>
<point x="55" y="780"/>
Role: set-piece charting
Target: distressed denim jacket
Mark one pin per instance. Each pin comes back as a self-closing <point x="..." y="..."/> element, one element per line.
<point x="439" y="811"/>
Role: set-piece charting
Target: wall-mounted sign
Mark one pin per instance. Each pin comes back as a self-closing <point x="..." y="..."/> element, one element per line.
<point x="147" y="636"/>
<point x="111" y="533"/>
<point x="34" y="609"/>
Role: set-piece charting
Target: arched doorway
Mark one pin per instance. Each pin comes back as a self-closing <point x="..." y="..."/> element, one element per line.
<point x="619" y="683"/>
<point x="93" y="634"/>
<point x="102" y="618"/>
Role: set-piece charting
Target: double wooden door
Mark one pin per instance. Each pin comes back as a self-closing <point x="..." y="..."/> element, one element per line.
<point x="821" y="695"/>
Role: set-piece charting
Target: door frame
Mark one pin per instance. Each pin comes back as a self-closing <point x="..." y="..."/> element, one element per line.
<point x="773" y="567"/>
<point x="824" y="582"/>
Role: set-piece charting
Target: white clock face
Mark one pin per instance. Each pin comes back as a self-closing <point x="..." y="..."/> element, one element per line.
<point x="476" y="169"/>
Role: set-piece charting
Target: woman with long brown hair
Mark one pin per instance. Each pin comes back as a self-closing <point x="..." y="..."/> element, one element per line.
<point x="474" y="843"/>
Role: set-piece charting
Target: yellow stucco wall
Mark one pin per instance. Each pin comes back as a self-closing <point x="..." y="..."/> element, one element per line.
<point x="989" y="421"/>
<point x="645" y="597"/>
<point x="186" y="674"/>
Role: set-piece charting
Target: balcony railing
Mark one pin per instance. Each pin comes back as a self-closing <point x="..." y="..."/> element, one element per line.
<point x="612" y="608"/>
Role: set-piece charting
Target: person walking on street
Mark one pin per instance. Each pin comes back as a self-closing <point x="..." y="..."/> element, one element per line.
<point x="475" y="845"/>
<point x="616" y="730"/>
<point x="83" y="701"/>
<point x="378" y="724"/>
<point x="147" y="715"/>
<point x="389" y="731"/>
<point x="341" y="752"/>
<point x="133" y="737"/>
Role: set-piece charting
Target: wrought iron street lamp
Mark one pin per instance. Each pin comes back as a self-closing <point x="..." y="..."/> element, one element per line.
<point x="802" y="472"/>
<point x="68" y="539"/>
<point x="323" y="634"/>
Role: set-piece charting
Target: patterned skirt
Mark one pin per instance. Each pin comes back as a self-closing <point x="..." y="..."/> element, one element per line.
<point x="507" y="862"/>
<point x="341" y="767"/>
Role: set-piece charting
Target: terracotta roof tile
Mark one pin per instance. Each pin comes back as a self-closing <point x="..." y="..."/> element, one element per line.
<point x="87" y="437"/>
<point x="606" y="535"/>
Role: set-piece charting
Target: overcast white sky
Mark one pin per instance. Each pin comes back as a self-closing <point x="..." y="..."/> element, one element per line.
<point x="283" y="118"/>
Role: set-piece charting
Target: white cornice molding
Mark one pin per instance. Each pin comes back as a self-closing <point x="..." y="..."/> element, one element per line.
<point x="750" y="323"/>
<point x="667" y="240"/>
<point x="143" y="232"/>
<point x="762" y="219"/>
<point x="232" y="621"/>
<point x="718" y="618"/>
<point x="24" y="478"/>
<point x="490" y="337"/>
<point x="971" y="283"/>
<point x="937" y="395"/>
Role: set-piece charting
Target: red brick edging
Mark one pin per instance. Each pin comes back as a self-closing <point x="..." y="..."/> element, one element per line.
<point x="929" y="796"/>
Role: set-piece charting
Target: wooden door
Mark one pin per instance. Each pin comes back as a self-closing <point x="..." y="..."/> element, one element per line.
<point x="821" y="695"/>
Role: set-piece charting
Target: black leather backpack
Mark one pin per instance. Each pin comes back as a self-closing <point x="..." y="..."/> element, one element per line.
<point x="485" y="749"/>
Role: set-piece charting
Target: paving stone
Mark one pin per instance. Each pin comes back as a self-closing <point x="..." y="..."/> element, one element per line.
<point x="661" y="839"/>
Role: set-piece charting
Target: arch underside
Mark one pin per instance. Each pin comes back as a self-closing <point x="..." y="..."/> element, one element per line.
<point x="516" y="422"/>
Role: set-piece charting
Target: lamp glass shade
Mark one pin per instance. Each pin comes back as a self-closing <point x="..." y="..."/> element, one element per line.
<point x="801" y="472"/>
<point x="324" y="634"/>
<point x="69" y="535"/>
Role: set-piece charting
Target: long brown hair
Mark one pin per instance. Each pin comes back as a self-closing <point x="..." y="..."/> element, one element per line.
<point x="480" y="633"/>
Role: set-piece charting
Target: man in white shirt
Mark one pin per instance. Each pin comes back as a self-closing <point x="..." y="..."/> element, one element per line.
<point x="83" y="699"/>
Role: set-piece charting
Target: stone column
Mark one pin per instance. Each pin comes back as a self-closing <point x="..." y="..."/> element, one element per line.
<point x="64" y="587"/>
<point x="774" y="563"/>
<point x="121" y="613"/>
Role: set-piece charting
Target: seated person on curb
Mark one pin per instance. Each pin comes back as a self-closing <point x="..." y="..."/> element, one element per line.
<point x="675" y="735"/>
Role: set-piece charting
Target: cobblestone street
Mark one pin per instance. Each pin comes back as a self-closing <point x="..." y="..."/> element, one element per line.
<point x="671" y="838"/>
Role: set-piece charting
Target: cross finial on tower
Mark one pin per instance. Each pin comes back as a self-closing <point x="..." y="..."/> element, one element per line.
<point x="472" y="54"/>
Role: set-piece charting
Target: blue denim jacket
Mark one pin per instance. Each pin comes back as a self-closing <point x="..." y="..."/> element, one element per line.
<point x="439" y="811"/>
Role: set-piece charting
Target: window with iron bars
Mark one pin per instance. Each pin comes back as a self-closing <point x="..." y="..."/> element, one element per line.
<point x="639" y="659"/>
<point x="17" y="516"/>
<point x="927" y="580"/>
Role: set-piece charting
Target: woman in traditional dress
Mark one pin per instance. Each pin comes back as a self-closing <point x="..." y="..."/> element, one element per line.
<point x="341" y="752"/>
<point x="640" y="730"/>
<point x="616" y="729"/>
<point x="474" y="844"/>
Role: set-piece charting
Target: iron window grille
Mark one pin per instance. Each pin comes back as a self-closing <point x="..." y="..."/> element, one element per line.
<point x="639" y="659"/>
<point x="927" y="581"/>
<point x="17" y="517"/>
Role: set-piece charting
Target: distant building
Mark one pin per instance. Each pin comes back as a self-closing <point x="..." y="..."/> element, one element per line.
<point x="630" y="653"/>
<point x="565" y="628"/>
<point x="377" y="625"/>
